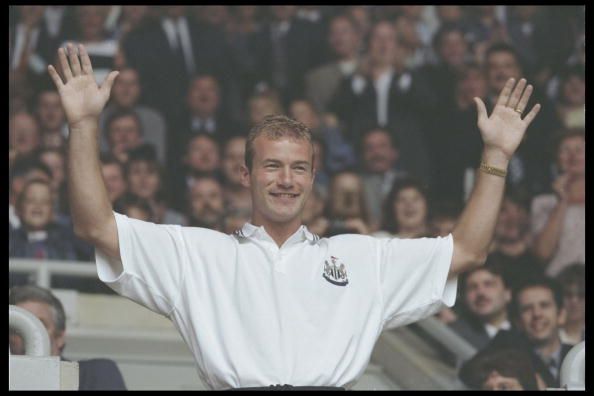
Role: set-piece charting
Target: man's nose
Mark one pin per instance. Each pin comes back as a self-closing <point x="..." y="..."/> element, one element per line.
<point x="285" y="178"/>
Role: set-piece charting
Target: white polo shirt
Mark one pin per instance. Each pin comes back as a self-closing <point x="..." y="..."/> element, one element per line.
<point x="306" y="314"/>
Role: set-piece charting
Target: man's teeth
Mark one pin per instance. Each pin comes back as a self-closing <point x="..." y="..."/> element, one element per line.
<point x="284" y="195"/>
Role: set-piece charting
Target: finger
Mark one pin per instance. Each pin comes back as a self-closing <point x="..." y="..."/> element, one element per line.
<point x="517" y="94"/>
<point x="74" y="62"/>
<point x="108" y="83"/>
<point x="530" y="116"/>
<point x="55" y="76"/>
<point x="481" y="109"/>
<point x="521" y="106"/>
<point x="87" y="68"/>
<point x="505" y="92"/>
<point x="64" y="64"/>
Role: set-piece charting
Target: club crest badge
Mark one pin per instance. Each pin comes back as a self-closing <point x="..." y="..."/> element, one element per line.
<point x="335" y="272"/>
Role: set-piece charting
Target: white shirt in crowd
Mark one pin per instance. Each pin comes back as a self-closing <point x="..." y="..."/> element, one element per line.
<point x="306" y="314"/>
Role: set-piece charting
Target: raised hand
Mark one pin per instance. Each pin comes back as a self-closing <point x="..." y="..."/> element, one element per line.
<point x="82" y="99"/>
<point x="504" y="129"/>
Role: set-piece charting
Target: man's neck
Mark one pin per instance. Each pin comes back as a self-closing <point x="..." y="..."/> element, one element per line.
<point x="279" y="232"/>
<point x="498" y="319"/>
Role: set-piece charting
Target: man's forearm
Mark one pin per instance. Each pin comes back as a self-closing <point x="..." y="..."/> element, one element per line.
<point x="89" y="202"/>
<point x="547" y="240"/>
<point x="475" y="227"/>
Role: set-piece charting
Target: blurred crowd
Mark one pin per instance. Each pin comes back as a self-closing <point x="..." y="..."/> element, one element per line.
<point x="388" y="94"/>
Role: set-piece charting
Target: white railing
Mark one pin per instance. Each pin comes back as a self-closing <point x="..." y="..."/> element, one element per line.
<point x="35" y="337"/>
<point x="44" y="269"/>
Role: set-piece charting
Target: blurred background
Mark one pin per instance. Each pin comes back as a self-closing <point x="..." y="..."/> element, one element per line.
<point x="388" y="94"/>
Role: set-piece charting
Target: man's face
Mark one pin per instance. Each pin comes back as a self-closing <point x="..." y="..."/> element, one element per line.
<point x="303" y="112"/>
<point x="343" y="38"/>
<point x="114" y="181"/>
<point x="345" y="196"/>
<point x="512" y="223"/>
<point x="572" y="155"/>
<point x="51" y="113"/>
<point x="539" y="316"/>
<point x="45" y="314"/>
<point x="233" y="159"/>
<point x="574" y="302"/>
<point x="379" y="155"/>
<point x="203" y="155"/>
<point x="501" y="66"/>
<point x="206" y="198"/>
<point x="24" y="133"/>
<point x="486" y="295"/>
<point x="410" y="207"/>
<point x="143" y="179"/>
<point x="124" y="134"/>
<point x="36" y="209"/>
<point x="203" y="97"/>
<point x="91" y="20"/>
<point x="383" y="45"/>
<point x="453" y="48"/>
<point x="281" y="179"/>
<point x="55" y="162"/>
<point x="126" y="88"/>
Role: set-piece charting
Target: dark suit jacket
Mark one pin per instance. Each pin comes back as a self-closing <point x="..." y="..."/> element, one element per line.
<point x="99" y="374"/>
<point x="472" y="331"/>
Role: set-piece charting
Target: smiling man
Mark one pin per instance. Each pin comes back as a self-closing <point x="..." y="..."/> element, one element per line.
<point x="274" y="304"/>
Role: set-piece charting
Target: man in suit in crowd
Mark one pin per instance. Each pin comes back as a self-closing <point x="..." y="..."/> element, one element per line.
<point x="94" y="374"/>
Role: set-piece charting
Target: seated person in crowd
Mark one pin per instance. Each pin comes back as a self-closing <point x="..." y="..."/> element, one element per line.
<point x="206" y="206"/>
<point x="51" y="117"/>
<point x="135" y="207"/>
<point x="144" y="176"/>
<point x="113" y="175"/>
<point x="559" y="220"/>
<point x="485" y="297"/>
<point x="124" y="132"/>
<point x="313" y="213"/>
<point x="538" y="312"/>
<point x="236" y="194"/>
<point x="125" y="95"/>
<point x="346" y="206"/>
<point x="93" y="374"/>
<point x="573" y="282"/>
<point x="24" y="136"/>
<point x="23" y="170"/>
<point x="406" y="211"/>
<point x="512" y="240"/>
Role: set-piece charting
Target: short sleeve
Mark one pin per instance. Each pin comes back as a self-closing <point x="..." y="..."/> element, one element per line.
<point x="153" y="261"/>
<point x="414" y="278"/>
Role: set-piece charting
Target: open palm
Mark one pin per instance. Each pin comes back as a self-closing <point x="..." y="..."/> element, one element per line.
<point x="505" y="128"/>
<point x="81" y="98"/>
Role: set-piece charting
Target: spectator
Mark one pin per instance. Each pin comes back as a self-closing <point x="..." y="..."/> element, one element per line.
<point x="135" y="207"/>
<point x="445" y="215"/>
<point x="409" y="28"/>
<point x="512" y="241"/>
<point x="55" y="160"/>
<point x="39" y="236"/>
<point x="313" y="213"/>
<point x="485" y="295"/>
<point x="571" y="100"/>
<point x="573" y="282"/>
<point x="339" y="154"/>
<point x="93" y="374"/>
<point x="322" y="82"/>
<point x="406" y="210"/>
<point x="449" y="14"/>
<point x="486" y="26"/>
<point x="144" y="176"/>
<point x="523" y="23"/>
<point x="362" y="16"/>
<point x="346" y="207"/>
<point x="24" y="135"/>
<point x="51" y="118"/>
<point x="529" y="166"/>
<point x="322" y="179"/>
<point x="264" y="104"/>
<point x="125" y="95"/>
<point x="206" y="205"/>
<point x="558" y="220"/>
<point x="236" y="194"/>
<point x="500" y="369"/>
<point x="124" y="132"/>
<point x="202" y="158"/>
<point x="380" y="156"/>
<point x="113" y="175"/>
<point x="24" y="169"/>
<point x="234" y="219"/>
<point x="132" y="17"/>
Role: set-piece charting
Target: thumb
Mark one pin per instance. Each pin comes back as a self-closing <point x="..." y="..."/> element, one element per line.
<point x="481" y="109"/>
<point x="108" y="83"/>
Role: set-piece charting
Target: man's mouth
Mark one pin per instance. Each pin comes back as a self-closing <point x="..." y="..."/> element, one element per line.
<point x="284" y="195"/>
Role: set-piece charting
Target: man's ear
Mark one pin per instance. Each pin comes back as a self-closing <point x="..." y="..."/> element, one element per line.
<point x="245" y="176"/>
<point x="60" y="341"/>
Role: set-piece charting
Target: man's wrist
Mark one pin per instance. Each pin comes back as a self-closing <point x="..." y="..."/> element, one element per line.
<point x="84" y="126"/>
<point x="495" y="158"/>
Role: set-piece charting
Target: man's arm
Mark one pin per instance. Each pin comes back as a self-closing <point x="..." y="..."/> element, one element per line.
<point x="502" y="133"/>
<point x="83" y="102"/>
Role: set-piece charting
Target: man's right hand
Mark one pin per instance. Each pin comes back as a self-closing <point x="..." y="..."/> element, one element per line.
<point x="82" y="99"/>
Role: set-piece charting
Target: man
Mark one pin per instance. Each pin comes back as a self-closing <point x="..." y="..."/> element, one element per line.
<point x="23" y="134"/>
<point x="123" y="132"/>
<point x="486" y="296"/>
<point x="51" y="117"/>
<point x="206" y="203"/>
<point x="93" y="374"/>
<point x="537" y="308"/>
<point x="235" y="194"/>
<point x="274" y="304"/>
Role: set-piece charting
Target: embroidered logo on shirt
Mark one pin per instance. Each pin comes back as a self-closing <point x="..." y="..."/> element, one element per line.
<point x="335" y="274"/>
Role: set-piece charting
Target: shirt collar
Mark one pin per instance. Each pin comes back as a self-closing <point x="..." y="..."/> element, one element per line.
<point x="258" y="232"/>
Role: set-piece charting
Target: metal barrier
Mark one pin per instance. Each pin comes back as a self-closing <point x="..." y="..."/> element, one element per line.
<point x="33" y="332"/>
<point x="43" y="269"/>
<point x="447" y="337"/>
<point x="573" y="369"/>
